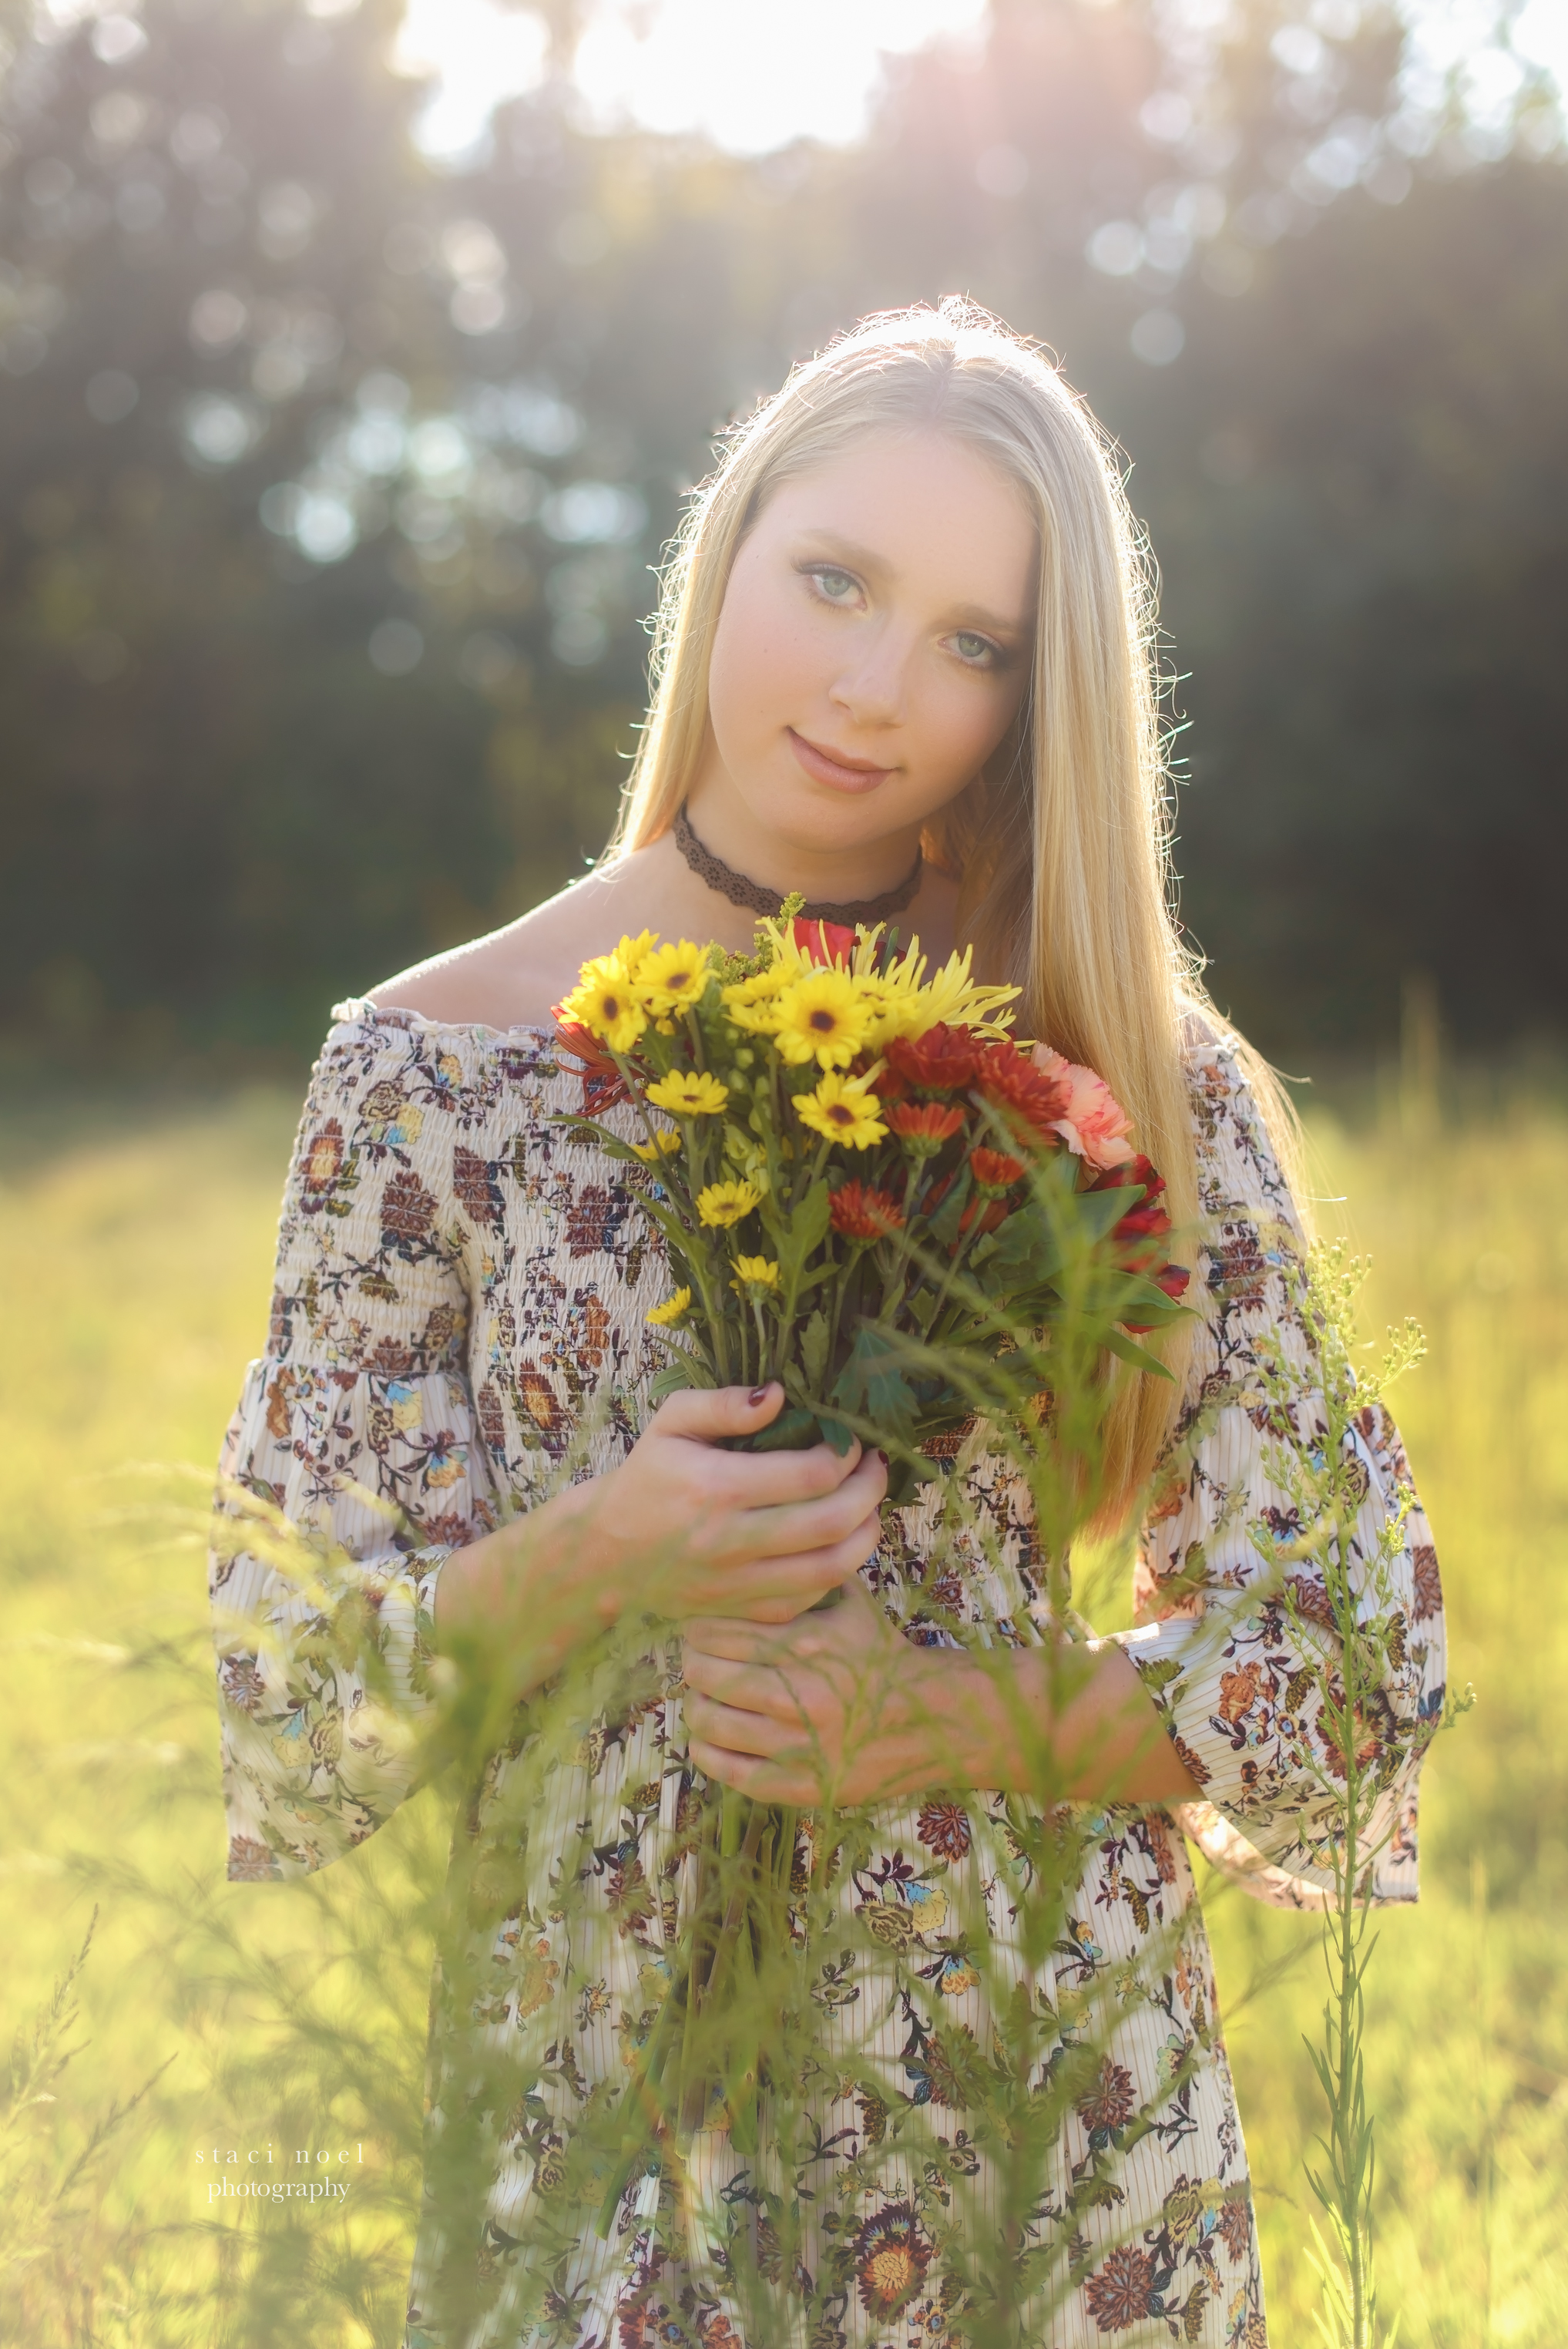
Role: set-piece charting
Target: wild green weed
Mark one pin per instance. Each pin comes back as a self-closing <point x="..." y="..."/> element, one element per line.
<point x="136" y="1271"/>
<point x="1325" y="1486"/>
<point x="515" y="2123"/>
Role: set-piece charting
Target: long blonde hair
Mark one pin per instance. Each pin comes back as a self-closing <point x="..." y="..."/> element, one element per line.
<point x="1062" y="844"/>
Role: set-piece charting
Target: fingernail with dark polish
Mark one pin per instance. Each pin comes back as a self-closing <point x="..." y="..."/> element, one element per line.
<point x="757" y="1394"/>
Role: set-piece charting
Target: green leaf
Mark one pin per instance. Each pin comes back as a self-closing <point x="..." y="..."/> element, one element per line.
<point x="1097" y="1212"/>
<point x="795" y="1429"/>
<point x="622" y="1150"/>
<point x="1026" y="1249"/>
<point x="943" y="1225"/>
<point x="1142" y="1299"/>
<point x="814" y="1350"/>
<point x="683" y="1244"/>
<point x="871" y="1384"/>
<point x="795" y="1236"/>
<point x="589" y="1130"/>
<point x="923" y="1306"/>
<point x="1125" y="1351"/>
<point x="906" y="1477"/>
<point x="677" y="1377"/>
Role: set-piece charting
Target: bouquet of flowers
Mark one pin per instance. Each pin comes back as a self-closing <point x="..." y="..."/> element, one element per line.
<point x="863" y="1184"/>
<point x="867" y="1190"/>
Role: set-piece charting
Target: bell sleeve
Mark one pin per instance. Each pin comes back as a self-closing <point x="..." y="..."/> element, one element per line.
<point x="1237" y="1656"/>
<point x="352" y="1466"/>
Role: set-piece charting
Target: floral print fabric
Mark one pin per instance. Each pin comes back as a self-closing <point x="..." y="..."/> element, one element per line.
<point x="460" y="1310"/>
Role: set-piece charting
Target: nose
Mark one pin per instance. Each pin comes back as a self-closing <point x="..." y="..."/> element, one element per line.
<point x="871" y="688"/>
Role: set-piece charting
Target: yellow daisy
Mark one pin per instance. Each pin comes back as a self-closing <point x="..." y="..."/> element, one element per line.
<point x="752" y="1003"/>
<point x="605" y="1002"/>
<point x="723" y="1204"/>
<point x="823" y="1018"/>
<point x="883" y="1009"/>
<point x="672" y="977"/>
<point x="689" y="1092"/>
<point x="845" y="1110"/>
<point x="755" y="1272"/>
<point x="664" y="1145"/>
<point x="664" y="1316"/>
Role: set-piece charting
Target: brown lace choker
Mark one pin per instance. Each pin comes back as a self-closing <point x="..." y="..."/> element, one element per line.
<point x="759" y="900"/>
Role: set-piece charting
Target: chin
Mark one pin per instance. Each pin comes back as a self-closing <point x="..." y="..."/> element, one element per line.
<point x="815" y="816"/>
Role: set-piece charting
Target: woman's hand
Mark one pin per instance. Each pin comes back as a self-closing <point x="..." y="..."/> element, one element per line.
<point x="839" y="1709"/>
<point x="682" y="1528"/>
<point x="834" y="1708"/>
<point x="679" y="1529"/>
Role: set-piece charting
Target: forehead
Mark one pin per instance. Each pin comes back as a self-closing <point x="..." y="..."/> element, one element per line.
<point x="930" y="509"/>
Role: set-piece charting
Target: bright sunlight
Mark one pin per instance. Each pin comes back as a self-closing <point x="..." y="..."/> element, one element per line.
<point x="750" y="76"/>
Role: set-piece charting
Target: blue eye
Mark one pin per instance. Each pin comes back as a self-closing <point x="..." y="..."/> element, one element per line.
<point x="978" y="651"/>
<point x="835" y="585"/>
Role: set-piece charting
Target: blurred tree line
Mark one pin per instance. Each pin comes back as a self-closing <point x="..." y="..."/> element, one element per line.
<point x="331" y="482"/>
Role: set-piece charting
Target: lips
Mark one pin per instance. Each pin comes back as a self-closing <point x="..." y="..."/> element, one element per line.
<point x="840" y="774"/>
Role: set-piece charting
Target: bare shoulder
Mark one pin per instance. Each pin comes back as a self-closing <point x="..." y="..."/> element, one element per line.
<point x="513" y="976"/>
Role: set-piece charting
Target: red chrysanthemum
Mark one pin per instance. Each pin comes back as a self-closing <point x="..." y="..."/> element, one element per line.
<point x="993" y="1170"/>
<point x="924" y="1126"/>
<point x="989" y="1213"/>
<point x="1015" y="1085"/>
<point x="862" y="1213"/>
<point x="944" y="1060"/>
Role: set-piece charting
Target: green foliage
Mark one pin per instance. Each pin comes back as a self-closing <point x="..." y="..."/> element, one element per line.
<point x="45" y="2197"/>
<point x="1325" y="1489"/>
<point x="135" y="1262"/>
<point x="1459" y="2015"/>
<point x="218" y="815"/>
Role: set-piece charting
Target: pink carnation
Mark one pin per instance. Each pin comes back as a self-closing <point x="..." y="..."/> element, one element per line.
<point x="1095" y="1126"/>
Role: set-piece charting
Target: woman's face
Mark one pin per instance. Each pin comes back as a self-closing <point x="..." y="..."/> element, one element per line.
<point x="874" y="641"/>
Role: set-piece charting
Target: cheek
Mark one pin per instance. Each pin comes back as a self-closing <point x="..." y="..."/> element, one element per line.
<point x="961" y="719"/>
<point x="763" y="657"/>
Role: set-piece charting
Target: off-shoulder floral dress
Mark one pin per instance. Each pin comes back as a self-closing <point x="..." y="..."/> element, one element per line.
<point x="461" y="1293"/>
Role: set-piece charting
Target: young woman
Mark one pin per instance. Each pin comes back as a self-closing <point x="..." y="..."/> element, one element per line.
<point x="904" y="668"/>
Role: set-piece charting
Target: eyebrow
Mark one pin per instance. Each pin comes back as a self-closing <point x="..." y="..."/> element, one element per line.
<point x="964" y="615"/>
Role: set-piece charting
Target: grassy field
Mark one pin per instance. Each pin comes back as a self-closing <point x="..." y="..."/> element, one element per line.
<point x="135" y="1255"/>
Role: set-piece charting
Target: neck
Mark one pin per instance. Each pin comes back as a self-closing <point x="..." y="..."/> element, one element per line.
<point x="780" y="862"/>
